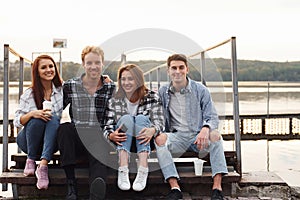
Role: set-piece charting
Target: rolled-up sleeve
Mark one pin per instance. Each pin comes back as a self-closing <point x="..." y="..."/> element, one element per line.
<point x="26" y="104"/>
<point x="157" y="116"/>
<point x="110" y="119"/>
<point x="210" y="116"/>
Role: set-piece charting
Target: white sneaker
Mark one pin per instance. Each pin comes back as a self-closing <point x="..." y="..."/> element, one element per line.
<point x="141" y="179"/>
<point x="123" y="178"/>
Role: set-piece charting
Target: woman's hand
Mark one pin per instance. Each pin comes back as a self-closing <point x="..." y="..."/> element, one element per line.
<point x="145" y="135"/>
<point x="118" y="136"/>
<point x="42" y="114"/>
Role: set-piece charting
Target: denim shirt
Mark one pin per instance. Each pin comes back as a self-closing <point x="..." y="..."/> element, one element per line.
<point x="200" y="108"/>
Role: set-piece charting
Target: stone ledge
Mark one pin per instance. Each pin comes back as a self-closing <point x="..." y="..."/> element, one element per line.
<point x="262" y="185"/>
<point x="295" y="192"/>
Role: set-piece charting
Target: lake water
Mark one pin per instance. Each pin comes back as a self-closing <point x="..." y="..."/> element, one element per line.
<point x="281" y="157"/>
<point x="254" y="98"/>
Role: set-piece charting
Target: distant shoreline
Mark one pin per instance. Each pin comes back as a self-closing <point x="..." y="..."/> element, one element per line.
<point x="210" y="84"/>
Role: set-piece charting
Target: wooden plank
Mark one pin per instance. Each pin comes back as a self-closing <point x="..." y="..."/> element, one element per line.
<point x="22" y="157"/>
<point x="57" y="176"/>
<point x="230" y="157"/>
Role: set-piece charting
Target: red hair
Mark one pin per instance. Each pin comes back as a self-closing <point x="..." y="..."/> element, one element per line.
<point x="36" y="85"/>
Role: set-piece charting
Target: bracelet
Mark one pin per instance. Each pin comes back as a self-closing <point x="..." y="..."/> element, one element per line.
<point x="206" y="126"/>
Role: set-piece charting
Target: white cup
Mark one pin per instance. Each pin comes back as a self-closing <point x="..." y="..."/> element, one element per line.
<point x="47" y="105"/>
<point x="198" y="166"/>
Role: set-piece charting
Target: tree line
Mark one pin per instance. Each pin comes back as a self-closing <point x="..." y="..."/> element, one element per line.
<point x="215" y="70"/>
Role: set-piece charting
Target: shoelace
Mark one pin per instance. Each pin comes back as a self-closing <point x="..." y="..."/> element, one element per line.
<point x="30" y="164"/>
<point x="72" y="190"/>
<point x="141" y="176"/>
<point x="43" y="173"/>
<point x="173" y="194"/>
<point x="124" y="176"/>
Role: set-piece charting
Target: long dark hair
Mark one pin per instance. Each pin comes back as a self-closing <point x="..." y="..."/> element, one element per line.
<point x="138" y="76"/>
<point x="36" y="85"/>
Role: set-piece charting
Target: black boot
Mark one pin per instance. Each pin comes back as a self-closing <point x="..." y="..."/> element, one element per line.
<point x="72" y="189"/>
<point x="97" y="189"/>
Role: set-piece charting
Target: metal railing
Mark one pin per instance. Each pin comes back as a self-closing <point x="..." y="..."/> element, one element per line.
<point x="8" y="50"/>
<point x="252" y="127"/>
<point x="157" y="69"/>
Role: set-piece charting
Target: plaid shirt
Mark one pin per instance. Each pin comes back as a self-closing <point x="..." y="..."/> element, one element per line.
<point x="150" y="106"/>
<point x="85" y="109"/>
<point x="27" y="104"/>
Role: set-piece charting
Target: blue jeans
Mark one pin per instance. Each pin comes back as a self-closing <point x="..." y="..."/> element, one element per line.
<point x="38" y="138"/>
<point x="134" y="125"/>
<point x="180" y="142"/>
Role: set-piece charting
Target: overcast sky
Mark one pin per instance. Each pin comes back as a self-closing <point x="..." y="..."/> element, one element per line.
<point x="265" y="29"/>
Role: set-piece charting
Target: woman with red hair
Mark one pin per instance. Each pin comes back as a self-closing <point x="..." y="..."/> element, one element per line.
<point x="38" y="135"/>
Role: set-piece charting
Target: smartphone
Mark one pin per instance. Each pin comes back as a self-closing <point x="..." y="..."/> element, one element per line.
<point x="123" y="128"/>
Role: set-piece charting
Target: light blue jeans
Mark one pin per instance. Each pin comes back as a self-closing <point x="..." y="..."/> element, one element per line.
<point x="181" y="142"/>
<point x="38" y="138"/>
<point x="134" y="125"/>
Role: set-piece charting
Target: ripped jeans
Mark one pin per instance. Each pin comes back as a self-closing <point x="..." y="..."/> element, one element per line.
<point x="180" y="142"/>
<point x="134" y="125"/>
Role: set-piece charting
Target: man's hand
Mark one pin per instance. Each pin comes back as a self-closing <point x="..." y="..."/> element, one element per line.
<point x="107" y="79"/>
<point x="202" y="138"/>
<point x="145" y="135"/>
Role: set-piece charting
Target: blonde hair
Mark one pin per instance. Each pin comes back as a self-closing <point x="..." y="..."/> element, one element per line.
<point x="93" y="49"/>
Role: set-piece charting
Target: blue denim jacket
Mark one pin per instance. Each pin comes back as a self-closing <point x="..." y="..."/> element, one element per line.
<point x="199" y="106"/>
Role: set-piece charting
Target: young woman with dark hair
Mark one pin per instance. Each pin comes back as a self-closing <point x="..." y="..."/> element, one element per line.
<point x="37" y="137"/>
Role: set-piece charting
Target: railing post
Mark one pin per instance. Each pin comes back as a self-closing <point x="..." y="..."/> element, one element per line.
<point x="203" y="68"/>
<point x="242" y="126"/>
<point x="158" y="78"/>
<point x="291" y="127"/>
<point x="5" y="113"/>
<point x="150" y="80"/>
<point x="60" y="64"/>
<point x="268" y="100"/>
<point x="21" y="85"/>
<point x="236" y="105"/>
<point x="21" y="77"/>
<point x="264" y="126"/>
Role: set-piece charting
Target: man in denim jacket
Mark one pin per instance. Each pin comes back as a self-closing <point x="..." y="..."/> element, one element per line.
<point x="191" y="125"/>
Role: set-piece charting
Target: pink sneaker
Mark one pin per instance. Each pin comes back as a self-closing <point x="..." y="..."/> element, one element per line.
<point x="29" y="167"/>
<point x="42" y="177"/>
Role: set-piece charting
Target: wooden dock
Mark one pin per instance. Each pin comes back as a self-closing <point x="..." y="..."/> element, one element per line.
<point x="235" y="185"/>
<point x="252" y="185"/>
<point x="24" y="187"/>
